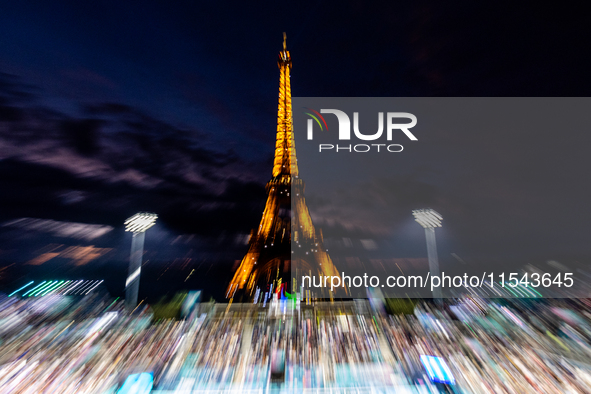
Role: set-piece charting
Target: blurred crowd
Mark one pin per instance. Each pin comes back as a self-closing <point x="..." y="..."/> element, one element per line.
<point x="62" y="344"/>
<point x="522" y="347"/>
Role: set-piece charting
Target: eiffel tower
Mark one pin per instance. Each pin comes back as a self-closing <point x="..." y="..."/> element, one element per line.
<point x="286" y="221"/>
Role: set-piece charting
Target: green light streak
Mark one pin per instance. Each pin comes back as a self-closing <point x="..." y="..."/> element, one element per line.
<point x="376" y="323"/>
<point x="112" y="303"/>
<point x="42" y="288"/>
<point x="40" y="284"/>
<point x="63" y="286"/>
<point x="43" y="292"/>
<point x="55" y="286"/>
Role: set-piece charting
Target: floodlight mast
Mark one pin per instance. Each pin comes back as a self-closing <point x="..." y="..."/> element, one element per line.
<point x="429" y="219"/>
<point x="137" y="224"/>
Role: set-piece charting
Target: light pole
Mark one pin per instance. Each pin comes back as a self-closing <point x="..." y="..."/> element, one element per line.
<point x="430" y="219"/>
<point x="137" y="224"/>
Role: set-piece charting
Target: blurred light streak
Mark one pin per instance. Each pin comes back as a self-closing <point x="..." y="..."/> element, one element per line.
<point x="93" y="287"/>
<point x="42" y="288"/>
<point x="74" y="285"/>
<point x="101" y="323"/>
<point x="437" y="369"/>
<point x="74" y="230"/>
<point x="16" y="291"/>
<point x="52" y="287"/>
<point x="40" y="284"/>
<point x="133" y="275"/>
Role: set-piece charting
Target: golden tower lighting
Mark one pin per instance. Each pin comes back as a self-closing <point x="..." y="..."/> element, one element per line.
<point x="286" y="221"/>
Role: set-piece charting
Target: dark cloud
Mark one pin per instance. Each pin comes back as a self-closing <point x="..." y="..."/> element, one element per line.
<point x="112" y="160"/>
<point x="83" y="135"/>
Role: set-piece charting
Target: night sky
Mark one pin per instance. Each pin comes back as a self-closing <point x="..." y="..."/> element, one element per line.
<point x="109" y="108"/>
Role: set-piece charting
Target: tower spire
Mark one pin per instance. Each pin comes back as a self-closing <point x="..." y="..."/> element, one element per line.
<point x="284" y="41"/>
<point x="282" y="165"/>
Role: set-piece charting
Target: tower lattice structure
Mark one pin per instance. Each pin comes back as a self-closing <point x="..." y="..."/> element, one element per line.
<point x="285" y="245"/>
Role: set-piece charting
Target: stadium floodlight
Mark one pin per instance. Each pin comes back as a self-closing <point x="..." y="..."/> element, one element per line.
<point x="137" y="224"/>
<point x="140" y="222"/>
<point x="430" y="219"/>
<point x="427" y="218"/>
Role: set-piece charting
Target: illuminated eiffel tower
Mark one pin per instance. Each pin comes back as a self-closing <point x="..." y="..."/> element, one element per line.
<point x="270" y="259"/>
